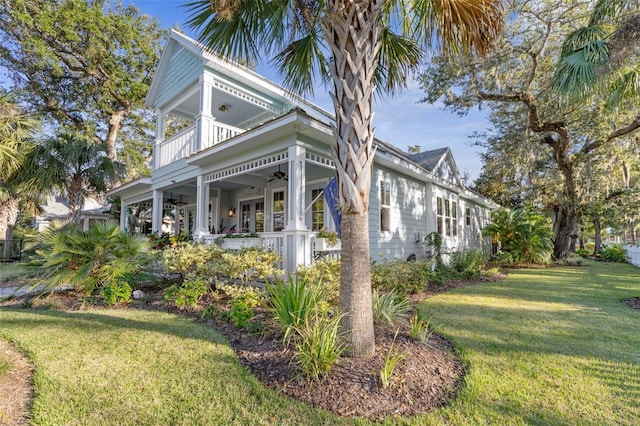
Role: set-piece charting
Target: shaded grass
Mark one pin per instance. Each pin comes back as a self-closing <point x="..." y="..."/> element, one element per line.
<point x="140" y="368"/>
<point x="16" y="271"/>
<point x="548" y="346"/>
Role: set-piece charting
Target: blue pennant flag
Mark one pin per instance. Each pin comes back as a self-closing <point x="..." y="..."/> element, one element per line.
<point x="331" y="195"/>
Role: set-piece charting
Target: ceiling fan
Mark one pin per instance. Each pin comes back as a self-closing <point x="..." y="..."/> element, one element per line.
<point x="279" y="175"/>
<point x="175" y="202"/>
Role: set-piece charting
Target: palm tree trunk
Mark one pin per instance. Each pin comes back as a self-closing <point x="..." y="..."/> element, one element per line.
<point x="75" y="194"/>
<point x="352" y="33"/>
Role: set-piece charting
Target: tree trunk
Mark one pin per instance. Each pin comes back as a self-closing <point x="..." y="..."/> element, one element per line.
<point x="352" y="33"/>
<point x="9" y="210"/>
<point x="115" y="123"/>
<point x="563" y="225"/>
<point x="75" y="194"/>
<point x="598" y="229"/>
<point x="355" y="298"/>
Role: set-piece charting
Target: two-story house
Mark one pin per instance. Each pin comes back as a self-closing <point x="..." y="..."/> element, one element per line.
<point x="236" y="152"/>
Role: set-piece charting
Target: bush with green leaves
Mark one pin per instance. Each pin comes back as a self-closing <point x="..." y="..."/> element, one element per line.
<point x="318" y="345"/>
<point x="116" y="292"/>
<point x="187" y="293"/>
<point x="583" y="252"/>
<point x="292" y="303"/>
<point x="523" y="233"/>
<point x="103" y="255"/>
<point x="614" y="253"/>
<point x="249" y="264"/>
<point x="197" y="259"/>
<point x="324" y="273"/>
<point x="401" y="276"/>
<point x="468" y="264"/>
<point x="390" y="308"/>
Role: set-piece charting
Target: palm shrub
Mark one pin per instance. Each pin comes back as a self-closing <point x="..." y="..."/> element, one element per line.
<point x="100" y="259"/>
<point x="523" y="233"/>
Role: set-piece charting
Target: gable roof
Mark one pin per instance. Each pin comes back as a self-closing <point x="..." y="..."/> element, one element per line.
<point x="429" y="160"/>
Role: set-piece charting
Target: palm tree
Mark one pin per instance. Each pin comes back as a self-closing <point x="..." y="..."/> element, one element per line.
<point x="351" y="44"/>
<point x="75" y="166"/>
<point x="17" y="130"/>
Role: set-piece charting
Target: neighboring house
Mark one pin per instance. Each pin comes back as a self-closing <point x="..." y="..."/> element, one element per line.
<point x="236" y="152"/>
<point x="56" y="209"/>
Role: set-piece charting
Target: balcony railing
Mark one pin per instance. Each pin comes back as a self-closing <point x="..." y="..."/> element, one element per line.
<point x="186" y="143"/>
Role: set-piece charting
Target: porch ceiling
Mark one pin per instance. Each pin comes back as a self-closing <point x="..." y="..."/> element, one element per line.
<point x="226" y="107"/>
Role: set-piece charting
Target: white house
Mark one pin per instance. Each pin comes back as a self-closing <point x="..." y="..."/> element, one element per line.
<point x="236" y="152"/>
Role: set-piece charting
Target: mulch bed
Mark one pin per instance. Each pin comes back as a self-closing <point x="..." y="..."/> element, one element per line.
<point x="634" y="302"/>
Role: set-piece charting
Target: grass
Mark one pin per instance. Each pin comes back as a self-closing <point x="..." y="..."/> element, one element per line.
<point x="545" y="346"/>
<point x="15" y="271"/>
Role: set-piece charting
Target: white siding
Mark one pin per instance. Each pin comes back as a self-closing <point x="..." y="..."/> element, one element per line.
<point x="184" y="70"/>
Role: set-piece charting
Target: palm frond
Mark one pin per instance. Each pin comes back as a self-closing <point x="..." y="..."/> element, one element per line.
<point x="301" y="61"/>
<point x="625" y="89"/>
<point x="605" y="10"/>
<point x="398" y="57"/>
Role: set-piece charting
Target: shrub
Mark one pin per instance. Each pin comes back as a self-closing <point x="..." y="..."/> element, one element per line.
<point x="614" y="253"/>
<point x="468" y="264"/>
<point x="254" y="296"/>
<point x="389" y="308"/>
<point x="88" y="260"/>
<point x="325" y="274"/>
<point x="185" y="258"/>
<point x="401" y="276"/>
<point x="250" y="263"/>
<point x="583" y="252"/>
<point x="292" y="303"/>
<point x="186" y="294"/>
<point x="115" y="292"/>
<point x="318" y="346"/>
<point x="241" y="311"/>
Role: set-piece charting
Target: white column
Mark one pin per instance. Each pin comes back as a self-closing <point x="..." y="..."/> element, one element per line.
<point x="204" y="116"/>
<point x="156" y="215"/>
<point x="297" y="250"/>
<point x="124" y="216"/>
<point x="202" y="208"/>
<point x="295" y="208"/>
<point x="160" y="125"/>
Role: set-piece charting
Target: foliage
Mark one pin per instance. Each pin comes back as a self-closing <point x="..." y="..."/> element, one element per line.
<point x="583" y="252"/>
<point x="330" y="236"/>
<point x="91" y="259"/>
<point x="5" y="365"/>
<point x="325" y="274"/>
<point x="434" y="241"/>
<point x="90" y="74"/>
<point x="469" y="263"/>
<point x="390" y="308"/>
<point x="250" y="263"/>
<point x="253" y="295"/>
<point x="159" y="242"/>
<point x="74" y="165"/>
<point x="116" y="291"/>
<point x="419" y="329"/>
<point x="319" y="345"/>
<point x="189" y="258"/>
<point x="187" y="293"/>
<point x="292" y="303"/>
<point x="391" y="360"/>
<point x="241" y="311"/>
<point x="614" y="253"/>
<point x="401" y="276"/>
<point x="523" y="233"/>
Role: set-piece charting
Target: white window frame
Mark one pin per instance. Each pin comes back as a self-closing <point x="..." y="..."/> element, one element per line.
<point x="385" y="209"/>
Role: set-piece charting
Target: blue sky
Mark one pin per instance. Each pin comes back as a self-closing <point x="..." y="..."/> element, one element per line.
<point x="400" y="120"/>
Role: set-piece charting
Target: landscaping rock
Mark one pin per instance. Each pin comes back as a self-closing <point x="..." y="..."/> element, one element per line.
<point x="137" y="294"/>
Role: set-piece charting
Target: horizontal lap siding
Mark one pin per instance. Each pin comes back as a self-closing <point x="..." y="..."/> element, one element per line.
<point x="408" y="219"/>
<point x="184" y="70"/>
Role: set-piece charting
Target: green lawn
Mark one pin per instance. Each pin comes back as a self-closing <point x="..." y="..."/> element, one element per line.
<point x="551" y="346"/>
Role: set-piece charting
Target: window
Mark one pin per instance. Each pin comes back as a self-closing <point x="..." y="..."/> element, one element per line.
<point x="385" y="206"/>
<point x="278" y="211"/>
<point x="454" y="218"/>
<point x="467" y="216"/>
<point x="447" y="217"/>
<point x="317" y="210"/>
<point x="440" y="215"/>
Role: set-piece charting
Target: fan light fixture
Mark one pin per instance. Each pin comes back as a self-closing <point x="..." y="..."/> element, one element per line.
<point x="232" y="212"/>
<point x="223" y="108"/>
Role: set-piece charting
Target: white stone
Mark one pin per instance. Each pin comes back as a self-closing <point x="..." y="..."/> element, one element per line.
<point x="137" y="294"/>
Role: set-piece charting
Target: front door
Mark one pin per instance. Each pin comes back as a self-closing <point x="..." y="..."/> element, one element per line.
<point x="252" y="215"/>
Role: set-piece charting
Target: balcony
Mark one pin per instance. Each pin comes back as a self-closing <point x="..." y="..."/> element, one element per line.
<point x="187" y="142"/>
